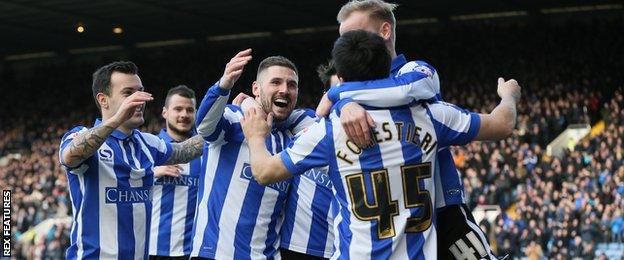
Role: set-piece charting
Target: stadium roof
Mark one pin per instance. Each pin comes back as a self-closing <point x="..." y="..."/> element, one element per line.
<point x="29" y="26"/>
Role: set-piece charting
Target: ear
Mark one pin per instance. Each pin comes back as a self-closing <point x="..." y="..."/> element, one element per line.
<point x="386" y="30"/>
<point x="164" y="112"/>
<point x="340" y="80"/>
<point x="102" y="100"/>
<point x="255" y="88"/>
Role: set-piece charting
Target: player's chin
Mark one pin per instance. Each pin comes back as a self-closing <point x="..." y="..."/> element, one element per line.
<point x="281" y="113"/>
<point x="136" y="121"/>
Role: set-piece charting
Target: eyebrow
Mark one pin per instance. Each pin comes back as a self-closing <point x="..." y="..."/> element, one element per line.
<point x="132" y="88"/>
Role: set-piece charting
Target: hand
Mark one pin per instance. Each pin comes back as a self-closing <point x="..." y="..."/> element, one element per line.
<point x="357" y="123"/>
<point x="255" y="125"/>
<point x="249" y="103"/>
<point x="508" y="89"/>
<point x="238" y="100"/>
<point x="234" y="69"/>
<point x="167" y="170"/>
<point x="324" y="106"/>
<point x="129" y="106"/>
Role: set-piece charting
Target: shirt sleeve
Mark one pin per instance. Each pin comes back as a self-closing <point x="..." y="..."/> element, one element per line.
<point x="309" y="150"/>
<point x="300" y="119"/>
<point x="453" y="125"/>
<point x="158" y="148"/>
<point x="414" y="83"/>
<point x="66" y="140"/>
<point x="210" y="121"/>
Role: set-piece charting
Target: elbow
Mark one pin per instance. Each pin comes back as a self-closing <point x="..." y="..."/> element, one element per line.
<point x="507" y="131"/>
<point x="68" y="161"/>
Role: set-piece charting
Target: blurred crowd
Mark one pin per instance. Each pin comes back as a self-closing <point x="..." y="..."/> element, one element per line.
<point x="553" y="207"/>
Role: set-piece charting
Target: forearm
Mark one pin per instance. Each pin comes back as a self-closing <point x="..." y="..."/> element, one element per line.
<point x="211" y="110"/>
<point x="394" y="91"/>
<point x="186" y="151"/>
<point x="499" y="123"/>
<point x="84" y="145"/>
<point x="265" y="167"/>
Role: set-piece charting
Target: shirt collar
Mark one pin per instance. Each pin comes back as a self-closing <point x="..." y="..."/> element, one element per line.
<point x="116" y="133"/>
<point x="165" y="136"/>
<point x="397" y="63"/>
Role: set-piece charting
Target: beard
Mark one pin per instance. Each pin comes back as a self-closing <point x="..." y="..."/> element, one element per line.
<point x="179" y="131"/>
<point x="266" y="103"/>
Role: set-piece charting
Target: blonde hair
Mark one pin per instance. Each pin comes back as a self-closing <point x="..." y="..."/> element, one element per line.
<point x="377" y="9"/>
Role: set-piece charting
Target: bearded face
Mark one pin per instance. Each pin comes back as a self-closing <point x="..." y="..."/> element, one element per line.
<point x="277" y="91"/>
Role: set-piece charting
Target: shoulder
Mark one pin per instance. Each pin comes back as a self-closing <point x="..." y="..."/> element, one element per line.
<point x="418" y="65"/>
<point x="233" y="113"/>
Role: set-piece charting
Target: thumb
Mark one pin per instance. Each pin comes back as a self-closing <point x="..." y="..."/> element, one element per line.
<point x="501" y="80"/>
<point x="270" y="119"/>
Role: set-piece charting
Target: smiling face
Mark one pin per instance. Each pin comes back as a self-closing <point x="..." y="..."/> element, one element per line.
<point x="179" y="113"/>
<point x="276" y="88"/>
<point x="123" y="85"/>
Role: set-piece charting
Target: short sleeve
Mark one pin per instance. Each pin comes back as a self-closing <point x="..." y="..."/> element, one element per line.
<point x="66" y="140"/>
<point x="309" y="150"/>
<point x="158" y="148"/>
<point x="453" y="125"/>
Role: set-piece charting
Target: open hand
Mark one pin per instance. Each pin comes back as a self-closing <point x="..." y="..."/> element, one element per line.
<point x="234" y="69"/>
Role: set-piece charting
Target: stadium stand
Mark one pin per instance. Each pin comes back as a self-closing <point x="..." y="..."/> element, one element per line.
<point x="559" y="208"/>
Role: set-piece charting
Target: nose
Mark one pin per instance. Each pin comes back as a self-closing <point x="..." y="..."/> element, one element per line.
<point x="283" y="88"/>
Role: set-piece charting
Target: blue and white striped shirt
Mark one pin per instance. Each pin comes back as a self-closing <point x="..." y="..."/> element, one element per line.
<point x="385" y="194"/>
<point x="174" y="201"/>
<point x="110" y="194"/>
<point x="410" y="82"/>
<point x="236" y="217"/>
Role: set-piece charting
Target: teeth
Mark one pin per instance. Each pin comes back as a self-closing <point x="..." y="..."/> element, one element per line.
<point x="281" y="100"/>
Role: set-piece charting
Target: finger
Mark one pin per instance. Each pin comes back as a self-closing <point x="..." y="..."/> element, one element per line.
<point x="236" y="73"/>
<point x="359" y="135"/>
<point x="243" y="52"/>
<point x="235" y="67"/>
<point x="270" y="119"/>
<point x="349" y="131"/>
<point x="371" y="121"/>
<point x="177" y="166"/>
<point x="501" y="80"/>
<point x="363" y="125"/>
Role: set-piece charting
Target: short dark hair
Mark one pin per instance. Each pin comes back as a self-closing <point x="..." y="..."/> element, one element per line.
<point x="180" y="90"/>
<point x="276" y="61"/>
<point x="325" y="72"/>
<point x="360" y="55"/>
<point x="102" y="76"/>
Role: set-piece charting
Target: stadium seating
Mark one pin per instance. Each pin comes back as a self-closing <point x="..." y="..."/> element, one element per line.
<point x="570" y="73"/>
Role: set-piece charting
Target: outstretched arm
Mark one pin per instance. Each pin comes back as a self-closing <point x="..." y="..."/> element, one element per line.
<point x="501" y="121"/>
<point x="85" y="144"/>
<point x="186" y="151"/>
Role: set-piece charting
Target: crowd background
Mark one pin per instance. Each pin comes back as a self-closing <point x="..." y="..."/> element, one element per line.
<point x="570" y="71"/>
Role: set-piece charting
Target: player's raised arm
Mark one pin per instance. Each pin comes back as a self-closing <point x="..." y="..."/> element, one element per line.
<point x="266" y="169"/>
<point x="212" y="107"/>
<point x="501" y="121"/>
<point x="85" y="143"/>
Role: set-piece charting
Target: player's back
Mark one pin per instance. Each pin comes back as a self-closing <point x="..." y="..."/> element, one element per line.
<point x="386" y="191"/>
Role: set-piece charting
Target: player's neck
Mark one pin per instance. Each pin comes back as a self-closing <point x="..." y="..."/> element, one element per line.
<point x="177" y="136"/>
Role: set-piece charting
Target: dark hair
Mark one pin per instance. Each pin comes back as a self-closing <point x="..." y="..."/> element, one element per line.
<point x="360" y="55"/>
<point x="325" y="72"/>
<point x="102" y="76"/>
<point x="276" y="61"/>
<point x="181" y="90"/>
